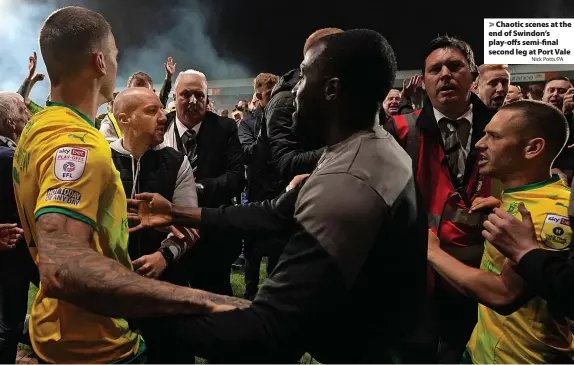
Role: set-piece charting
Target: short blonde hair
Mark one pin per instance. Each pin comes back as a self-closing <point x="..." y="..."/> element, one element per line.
<point x="482" y="69"/>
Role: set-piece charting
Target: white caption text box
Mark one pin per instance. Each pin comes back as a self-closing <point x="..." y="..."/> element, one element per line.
<point x="528" y="41"/>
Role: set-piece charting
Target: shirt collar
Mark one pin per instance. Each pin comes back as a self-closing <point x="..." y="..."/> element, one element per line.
<point x="467" y="116"/>
<point x="181" y="128"/>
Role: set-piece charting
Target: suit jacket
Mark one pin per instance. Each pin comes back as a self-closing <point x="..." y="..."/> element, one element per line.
<point x="220" y="166"/>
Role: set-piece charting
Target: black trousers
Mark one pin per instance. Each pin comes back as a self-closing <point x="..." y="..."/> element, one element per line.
<point x="254" y="252"/>
<point x="17" y="270"/>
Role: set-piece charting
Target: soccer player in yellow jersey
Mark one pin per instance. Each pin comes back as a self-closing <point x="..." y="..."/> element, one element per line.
<point x="514" y="326"/>
<point x="73" y="210"/>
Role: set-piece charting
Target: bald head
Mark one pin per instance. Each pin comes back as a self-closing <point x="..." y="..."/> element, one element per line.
<point x="140" y="116"/>
<point x="128" y="100"/>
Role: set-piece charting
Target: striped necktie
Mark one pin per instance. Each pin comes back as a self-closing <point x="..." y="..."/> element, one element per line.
<point x="189" y="141"/>
<point x="455" y="136"/>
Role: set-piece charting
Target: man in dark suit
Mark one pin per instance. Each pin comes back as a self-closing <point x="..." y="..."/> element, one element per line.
<point x="17" y="268"/>
<point x="213" y="149"/>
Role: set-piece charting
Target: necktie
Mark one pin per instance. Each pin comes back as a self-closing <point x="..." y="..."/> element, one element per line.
<point x="455" y="135"/>
<point x="189" y="141"/>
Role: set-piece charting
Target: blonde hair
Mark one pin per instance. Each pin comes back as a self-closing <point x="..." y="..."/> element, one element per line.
<point x="482" y="69"/>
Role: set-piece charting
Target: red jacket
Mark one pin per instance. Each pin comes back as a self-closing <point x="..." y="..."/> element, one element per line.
<point x="447" y="205"/>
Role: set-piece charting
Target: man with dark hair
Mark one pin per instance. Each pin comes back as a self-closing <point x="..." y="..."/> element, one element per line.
<point x="349" y="216"/>
<point x="558" y="92"/>
<point x="290" y="153"/>
<point x="555" y="90"/>
<point x="451" y="121"/>
<point x="73" y="209"/>
<point x="514" y="326"/>
<point x="535" y="92"/>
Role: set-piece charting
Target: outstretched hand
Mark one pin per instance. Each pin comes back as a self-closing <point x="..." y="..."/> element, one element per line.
<point x="153" y="210"/>
<point x="10" y="234"/>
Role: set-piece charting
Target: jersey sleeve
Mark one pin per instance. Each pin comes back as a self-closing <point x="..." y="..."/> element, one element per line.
<point x="72" y="175"/>
<point x="552" y="227"/>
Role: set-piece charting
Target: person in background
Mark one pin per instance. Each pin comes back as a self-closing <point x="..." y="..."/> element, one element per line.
<point x="535" y="92"/>
<point x="492" y="84"/>
<point x="31" y="79"/>
<point x="555" y="90"/>
<point x="238" y="116"/>
<point x="109" y="126"/>
<point x="322" y="297"/>
<point x="514" y="94"/>
<point x="292" y="155"/>
<point x="390" y="105"/>
<point x="261" y="181"/>
<point x="441" y="138"/>
<point x="515" y="327"/>
<point x="17" y="268"/>
<point x="225" y="113"/>
<point x="211" y="144"/>
<point x="559" y="92"/>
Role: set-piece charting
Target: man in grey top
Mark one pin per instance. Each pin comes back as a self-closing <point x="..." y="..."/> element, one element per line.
<point x="350" y="284"/>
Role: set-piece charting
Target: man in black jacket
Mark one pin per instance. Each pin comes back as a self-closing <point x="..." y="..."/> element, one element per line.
<point x="212" y="146"/>
<point x="16" y="266"/>
<point x="262" y="182"/>
<point x="352" y="214"/>
<point x="290" y="153"/>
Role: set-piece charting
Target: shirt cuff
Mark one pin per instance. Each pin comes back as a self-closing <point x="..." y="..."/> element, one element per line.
<point x="531" y="266"/>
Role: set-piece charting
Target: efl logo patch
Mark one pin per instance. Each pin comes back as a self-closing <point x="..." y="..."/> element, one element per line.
<point x="69" y="163"/>
<point x="556" y="232"/>
<point x="64" y="195"/>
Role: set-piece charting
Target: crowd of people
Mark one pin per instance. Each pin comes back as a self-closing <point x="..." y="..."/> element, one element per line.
<point x="422" y="225"/>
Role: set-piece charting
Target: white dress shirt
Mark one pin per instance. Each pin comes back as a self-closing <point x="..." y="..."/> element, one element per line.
<point x="170" y="140"/>
<point x="465" y="150"/>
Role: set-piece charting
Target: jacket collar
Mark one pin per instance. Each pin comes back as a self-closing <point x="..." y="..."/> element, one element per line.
<point x="481" y="116"/>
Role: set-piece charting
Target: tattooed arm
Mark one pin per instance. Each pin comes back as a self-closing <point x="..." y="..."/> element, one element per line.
<point x="71" y="270"/>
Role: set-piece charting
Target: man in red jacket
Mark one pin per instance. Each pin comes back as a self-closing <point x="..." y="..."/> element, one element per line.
<point x="441" y="138"/>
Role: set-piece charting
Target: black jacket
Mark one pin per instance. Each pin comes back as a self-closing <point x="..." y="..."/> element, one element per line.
<point x="157" y="173"/>
<point x="262" y="180"/>
<point x="288" y="155"/>
<point x="220" y="167"/>
<point x="16" y="262"/>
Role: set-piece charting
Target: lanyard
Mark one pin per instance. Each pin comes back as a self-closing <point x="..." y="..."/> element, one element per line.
<point x="115" y="124"/>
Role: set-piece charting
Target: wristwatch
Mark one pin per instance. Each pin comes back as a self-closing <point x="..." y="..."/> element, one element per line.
<point x="167" y="254"/>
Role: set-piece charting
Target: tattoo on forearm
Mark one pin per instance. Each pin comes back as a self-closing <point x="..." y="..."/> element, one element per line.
<point x="72" y="271"/>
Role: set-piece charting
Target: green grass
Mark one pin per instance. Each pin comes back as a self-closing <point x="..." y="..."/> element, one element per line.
<point x="237" y="284"/>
